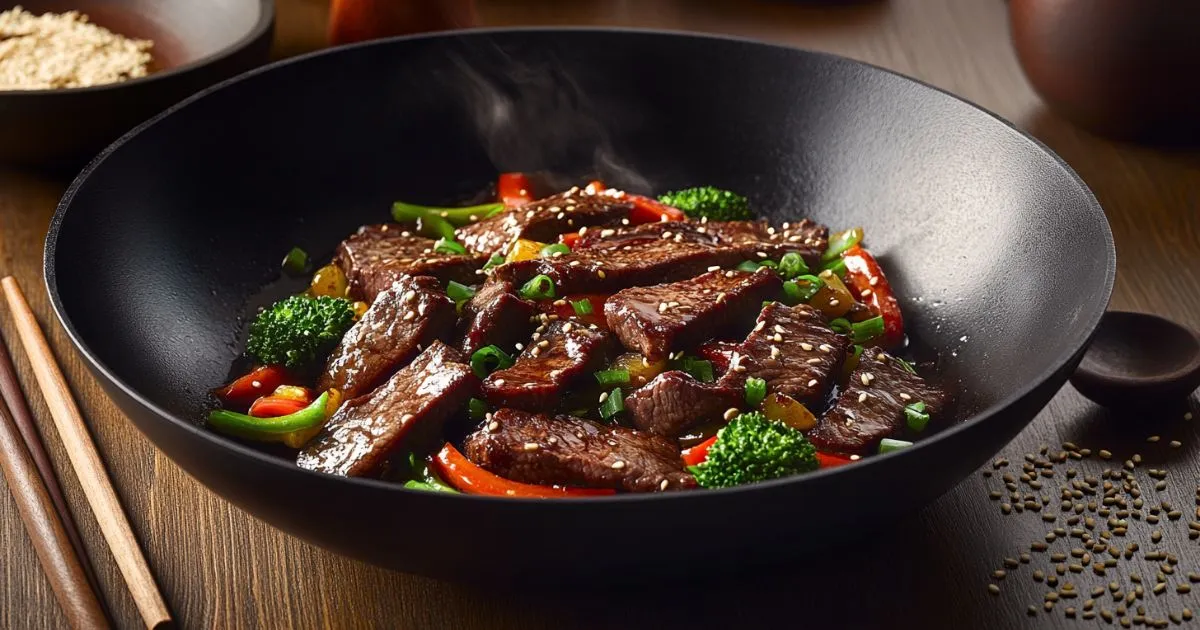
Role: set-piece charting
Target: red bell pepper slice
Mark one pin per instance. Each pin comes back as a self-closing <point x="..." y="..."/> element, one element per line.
<point x="647" y="210"/>
<point x="466" y="477"/>
<point x="829" y="460"/>
<point x="570" y="239"/>
<point x="866" y="280"/>
<point x="514" y="189"/>
<point x="275" y="406"/>
<point x="698" y="453"/>
<point x="260" y="382"/>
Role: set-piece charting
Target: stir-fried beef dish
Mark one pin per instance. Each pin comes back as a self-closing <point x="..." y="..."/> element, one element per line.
<point x="588" y="343"/>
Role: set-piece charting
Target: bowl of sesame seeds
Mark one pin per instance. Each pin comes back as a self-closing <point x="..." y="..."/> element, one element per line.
<point x="76" y="74"/>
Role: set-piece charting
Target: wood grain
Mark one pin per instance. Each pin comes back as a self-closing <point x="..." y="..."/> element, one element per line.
<point x="85" y="460"/>
<point x="219" y="568"/>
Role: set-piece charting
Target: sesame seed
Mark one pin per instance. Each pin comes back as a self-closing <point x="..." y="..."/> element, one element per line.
<point x="256" y="384"/>
<point x="866" y="378"/>
<point x="807" y="347"/>
<point x="813" y="383"/>
<point x="618" y="465"/>
<point x="1176" y="443"/>
<point x="499" y="382"/>
<point x="714" y="268"/>
<point x="834" y="302"/>
<point x="731" y="413"/>
<point x="409" y="315"/>
<point x="603" y="397"/>
<point x="777" y="337"/>
<point x="493" y="425"/>
<point x="531" y="446"/>
<point x="863" y="398"/>
<point x="662" y="307"/>
<point x="600" y="273"/>
<point x="759" y="326"/>
<point x="663" y="485"/>
<point x="774" y="351"/>
<point x="825" y="348"/>
<point x="813" y="361"/>
<point x="904" y="396"/>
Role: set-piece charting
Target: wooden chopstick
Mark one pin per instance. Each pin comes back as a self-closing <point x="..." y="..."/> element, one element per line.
<point x="18" y="410"/>
<point x="86" y="461"/>
<point x="79" y="602"/>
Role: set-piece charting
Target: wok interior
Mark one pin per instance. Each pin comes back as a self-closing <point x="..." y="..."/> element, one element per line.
<point x="990" y="243"/>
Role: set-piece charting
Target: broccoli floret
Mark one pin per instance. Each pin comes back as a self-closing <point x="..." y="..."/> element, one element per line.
<point x="751" y="449"/>
<point x="299" y="331"/>
<point x="706" y="201"/>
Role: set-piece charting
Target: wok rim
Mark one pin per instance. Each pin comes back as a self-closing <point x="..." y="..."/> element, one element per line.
<point x="1083" y="332"/>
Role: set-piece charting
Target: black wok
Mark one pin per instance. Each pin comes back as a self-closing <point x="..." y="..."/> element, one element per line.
<point x="159" y="249"/>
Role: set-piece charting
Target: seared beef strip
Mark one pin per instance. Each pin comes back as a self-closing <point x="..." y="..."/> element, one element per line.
<point x="607" y="270"/>
<point x="611" y="238"/>
<point x="793" y="350"/>
<point x="544" y="220"/>
<point x="872" y="405"/>
<point x="659" y="319"/>
<point x="805" y="237"/>
<point x="554" y="360"/>
<point x="377" y="255"/>
<point x="406" y="411"/>
<point x="674" y="402"/>
<point x="494" y="316"/>
<point x="569" y="451"/>
<point x="405" y="318"/>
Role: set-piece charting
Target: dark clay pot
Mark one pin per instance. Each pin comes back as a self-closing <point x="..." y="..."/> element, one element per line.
<point x="1123" y="69"/>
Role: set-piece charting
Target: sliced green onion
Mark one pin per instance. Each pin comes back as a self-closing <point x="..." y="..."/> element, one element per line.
<point x="916" y="416"/>
<point x="792" y="265"/>
<point x="477" y="409"/>
<point x="887" y="445"/>
<point x="556" y="248"/>
<point x="840" y="325"/>
<point x="769" y="264"/>
<point x="806" y="287"/>
<point x="495" y="261"/>
<point x="429" y="486"/>
<point x="905" y="364"/>
<point x="610" y="378"/>
<point x="838" y="267"/>
<point x="459" y="292"/>
<point x="434" y="226"/>
<point x="613" y="404"/>
<point x="700" y="369"/>
<point x="582" y="307"/>
<point x="748" y="265"/>
<point x="866" y="330"/>
<point x="840" y="242"/>
<point x="449" y="246"/>
<point x="408" y="212"/>
<point x="488" y="359"/>
<point x="756" y="391"/>
<point x="856" y="352"/>
<point x="296" y="261"/>
<point x="539" y="288"/>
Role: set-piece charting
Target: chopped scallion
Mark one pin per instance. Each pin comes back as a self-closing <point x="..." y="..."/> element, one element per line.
<point x="756" y="391"/>
<point x="838" y="267"/>
<point x="408" y="212"/>
<point x="477" y="409"/>
<point x="539" y="288"/>
<point x="582" y="307"/>
<point x="700" y="369"/>
<point x="449" y="246"/>
<point x="887" y="445"/>
<point x="434" y="226"/>
<point x="748" y="265"/>
<point x="792" y="265"/>
<point x="866" y="330"/>
<point x="769" y="264"/>
<point x="840" y="242"/>
<point x="905" y="364"/>
<point x="613" y="404"/>
<point x="841" y="325"/>
<point x="296" y="261"/>
<point x="459" y="292"/>
<point x="488" y="359"/>
<point x="495" y="261"/>
<point x="916" y="416"/>
<point x="556" y="248"/>
<point x="802" y="289"/>
<point x="610" y="378"/>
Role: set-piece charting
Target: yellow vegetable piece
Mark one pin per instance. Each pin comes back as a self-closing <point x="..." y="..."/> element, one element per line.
<point x="335" y="401"/>
<point x="785" y="409"/>
<point x="833" y="299"/>
<point x="641" y="369"/>
<point x="524" y="249"/>
<point x="329" y="281"/>
<point x="360" y="309"/>
<point x="292" y="392"/>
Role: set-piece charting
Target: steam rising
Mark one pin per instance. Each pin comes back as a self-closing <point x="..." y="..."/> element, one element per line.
<point x="533" y="117"/>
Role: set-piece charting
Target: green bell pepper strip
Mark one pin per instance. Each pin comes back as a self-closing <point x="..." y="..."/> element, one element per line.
<point x="408" y="212"/>
<point x="269" y="429"/>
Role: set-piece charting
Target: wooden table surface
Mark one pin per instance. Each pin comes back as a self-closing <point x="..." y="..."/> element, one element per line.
<point x="219" y="568"/>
